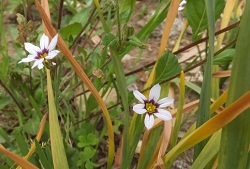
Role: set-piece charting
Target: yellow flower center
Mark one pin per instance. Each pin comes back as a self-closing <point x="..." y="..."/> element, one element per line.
<point x="43" y="55"/>
<point x="150" y="107"/>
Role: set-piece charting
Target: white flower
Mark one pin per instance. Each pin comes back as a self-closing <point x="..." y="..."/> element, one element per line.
<point x="152" y="106"/>
<point x="41" y="54"/>
<point x="182" y="5"/>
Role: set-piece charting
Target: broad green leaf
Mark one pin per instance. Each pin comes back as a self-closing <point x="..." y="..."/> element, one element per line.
<point x="87" y="141"/>
<point x="92" y="139"/>
<point x="81" y="17"/>
<point x="235" y="136"/>
<point x="166" y="66"/>
<point x="90" y="165"/>
<point x="224" y="57"/>
<point x="31" y="126"/>
<point x="108" y="39"/>
<point x="127" y="7"/>
<point x="70" y="30"/>
<point x="87" y="153"/>
<point x="195" y="12"/>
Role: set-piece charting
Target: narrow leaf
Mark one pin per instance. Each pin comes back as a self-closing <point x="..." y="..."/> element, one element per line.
<point x="19" y="160"/>
<point x="236" y="136"/>
<point x="57" y="147"/>
<point x="210" y="127"/>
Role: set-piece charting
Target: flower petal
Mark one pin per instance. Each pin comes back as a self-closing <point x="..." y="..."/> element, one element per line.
<point x="165" y="102"/>
<point x="149" y="121"/>
<point x="139" y="108"/>
<point x="139" y="96"/>
<point x="40" y="66"/>
<point x="38" y="63"/>
<point x="53" y="43"/>
<point x="155" y="92"/>
<point x="44" y="42"/>
<point x="32" y="49"/>
<point x="28" y="59"/>
<point x="182" y="5"/>
<point x="52" y="54"/>
<point x="163" y="114"/>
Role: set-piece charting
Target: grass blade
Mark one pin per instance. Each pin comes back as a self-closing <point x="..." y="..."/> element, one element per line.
<point x="57" y="147"/>
<point x="236" y="136"/>
<point x="204" y="104"/>
<point x="210" y="127"/>
<point x="19" y="160"/>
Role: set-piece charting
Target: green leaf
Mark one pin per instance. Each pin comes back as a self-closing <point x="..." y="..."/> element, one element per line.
<point x="235" y="136"/>
<point x="31" y="126"/>
<point x="4" y="68"/>
<point x="108" y="39"/>
<point x="166" y="66"/>
<point x="209" y="151"/>
<point x="21" y="141"/>
<point x="90" y="165"/>
<point x="127" y="8"/>
<point x="203" y="112"/>
<point x="87" y="141"/>
<point x="57" y="146"/>
<point x="91" y="103"/>
<point x="2" y="140"/>
<point x="195" y="12"/>
<point x="92" y="139"/>
<point x="42" y="157"/>
<point x="4" y="101"/>
<point x="70" y="30"/>
<point x="89" y="152"/>
<point x="81" y="17"/>
<point x="224" y="57"/>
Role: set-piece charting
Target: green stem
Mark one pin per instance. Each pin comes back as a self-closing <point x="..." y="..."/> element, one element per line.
<point x="104" y="24"/>
<point x="118" y="22"/>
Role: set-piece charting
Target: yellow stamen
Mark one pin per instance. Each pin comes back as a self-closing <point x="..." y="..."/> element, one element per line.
<point x="43" y="55"/>
<point x="150" y="107"/>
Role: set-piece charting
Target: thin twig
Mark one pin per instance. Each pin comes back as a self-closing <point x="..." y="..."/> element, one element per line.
<point x="12" y="96"/>
<point x="60" y="15"/>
